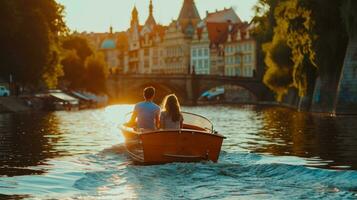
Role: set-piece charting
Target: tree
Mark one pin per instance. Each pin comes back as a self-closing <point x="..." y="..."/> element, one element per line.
<point x="74" y="70"/>
<point x="290" y="49"/>
<point x="316" y="48"/>
<point x="96" y="74"/>
<point x="74" y="61"/>
<point x="278" y="76"/>
<point x="29" y="49"/>
<point x="80" y="45"/>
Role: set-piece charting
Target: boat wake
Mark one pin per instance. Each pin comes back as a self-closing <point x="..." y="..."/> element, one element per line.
<point x="241" y="175"/>
<point x="115" y="149"/>
<point x="110" y="174"/>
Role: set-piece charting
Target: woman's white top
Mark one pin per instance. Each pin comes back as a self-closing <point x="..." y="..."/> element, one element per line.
<point x="167" y="123"/>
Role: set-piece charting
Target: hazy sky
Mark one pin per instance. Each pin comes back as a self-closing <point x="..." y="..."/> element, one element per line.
<point x="98" y="15"/>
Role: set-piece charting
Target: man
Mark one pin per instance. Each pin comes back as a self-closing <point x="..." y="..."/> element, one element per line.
<point x="146" y="114"/>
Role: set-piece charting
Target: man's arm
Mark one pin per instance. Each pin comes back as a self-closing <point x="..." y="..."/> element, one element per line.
<point x="132" y="121"/>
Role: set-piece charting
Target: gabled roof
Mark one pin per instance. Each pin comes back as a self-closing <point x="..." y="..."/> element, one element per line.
<point x="219" y="32"/>
<point x="223" y="16"/>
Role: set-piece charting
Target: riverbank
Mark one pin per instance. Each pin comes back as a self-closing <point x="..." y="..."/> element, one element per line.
<point x="13" y="105"/>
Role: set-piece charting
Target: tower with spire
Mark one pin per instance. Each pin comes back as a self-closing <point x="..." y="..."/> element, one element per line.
<point x="150" y="22"/>
<point x="189" y="17"/>
<point x="134" y="25"/>
<point x="134" y="17"/>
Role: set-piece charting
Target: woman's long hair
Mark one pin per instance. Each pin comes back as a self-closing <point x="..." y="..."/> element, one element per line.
<point x="172" y="107"/>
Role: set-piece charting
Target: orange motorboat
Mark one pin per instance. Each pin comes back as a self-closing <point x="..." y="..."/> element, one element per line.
<point x="196" y="141"/>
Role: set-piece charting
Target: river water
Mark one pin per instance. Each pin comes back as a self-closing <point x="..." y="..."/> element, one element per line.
<point x="269" y="153"/>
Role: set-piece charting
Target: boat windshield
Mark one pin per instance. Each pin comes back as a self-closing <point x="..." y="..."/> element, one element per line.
<point x="191" y="120"/>
<point x="197" y="121"/>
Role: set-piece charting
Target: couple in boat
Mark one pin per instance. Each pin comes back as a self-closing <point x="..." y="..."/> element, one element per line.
<point x="147" y="116"/>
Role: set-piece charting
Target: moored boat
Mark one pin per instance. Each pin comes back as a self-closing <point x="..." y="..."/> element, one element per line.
<point x="196" y="141"/>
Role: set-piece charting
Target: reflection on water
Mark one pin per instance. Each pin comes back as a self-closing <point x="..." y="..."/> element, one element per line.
<point x="25" y="142"/>
<point x="269" y="153"/>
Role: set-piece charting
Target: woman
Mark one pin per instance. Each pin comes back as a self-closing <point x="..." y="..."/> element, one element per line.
<point x="171" y="117"/>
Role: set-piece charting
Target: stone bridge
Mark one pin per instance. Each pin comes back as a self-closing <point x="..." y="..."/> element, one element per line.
<point x="128" y="88"/>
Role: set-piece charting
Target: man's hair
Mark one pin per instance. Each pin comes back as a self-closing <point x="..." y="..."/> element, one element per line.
<point x="149" y="92"/>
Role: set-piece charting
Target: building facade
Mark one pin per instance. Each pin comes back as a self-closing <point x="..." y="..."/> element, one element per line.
<point x="219" y="44"/>
<point x="231" y="50"/>
<point x="200" y="52"/>
<point x="240" y="52"/>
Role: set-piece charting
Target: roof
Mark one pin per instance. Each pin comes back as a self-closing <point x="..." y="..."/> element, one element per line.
<point x="108" y="44"/>
<point x="189" y="11"/>
<point x="64" y="97"/>
<point x="223" y="16"/>
<point x="219" y="32"/>
<point x="150" y="21"/>
<point x="81" y="96"/>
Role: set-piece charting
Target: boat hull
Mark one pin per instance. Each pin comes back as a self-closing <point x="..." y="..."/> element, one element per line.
<point x="168" y="146"/>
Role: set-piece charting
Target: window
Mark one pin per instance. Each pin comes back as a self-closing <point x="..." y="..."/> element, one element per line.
<point x="238" y="60"/>
<point x="194" y="63"/>
<point x="146" y="52"/>
<point x="206" y="64"/>
<point x="146" y="64"/>
<point x="206" y="52"/>
<point x="246" y="59"/>
<point x="194" y="52"/>
<point x="200" y="52"/>
<point x="200" y="63"/>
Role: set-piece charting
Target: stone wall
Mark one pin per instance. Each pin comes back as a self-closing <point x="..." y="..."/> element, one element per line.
<point x="347" y="91"/>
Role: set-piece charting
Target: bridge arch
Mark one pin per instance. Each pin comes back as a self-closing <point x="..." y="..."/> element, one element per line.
<point x="127" y="88"/>
<point x="255" y="88"/>
<point x="234" y="93"/>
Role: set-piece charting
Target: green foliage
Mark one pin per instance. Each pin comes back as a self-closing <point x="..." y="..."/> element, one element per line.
<point x="96" y="74"/>
<point x="278" y="76"/>
<point x="29" y="49"/>
<point x="79" y="44"/>
<point x="83" y="69"/>
<point x="312" y="31"/>
<point x="74" y="69"/>
<point x="290" y="48"/>
<point x="296" y="23"/>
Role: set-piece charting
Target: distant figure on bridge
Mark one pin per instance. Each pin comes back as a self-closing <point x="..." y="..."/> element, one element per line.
<point x="171" y="117"/>
<point x="146" y="114"/>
